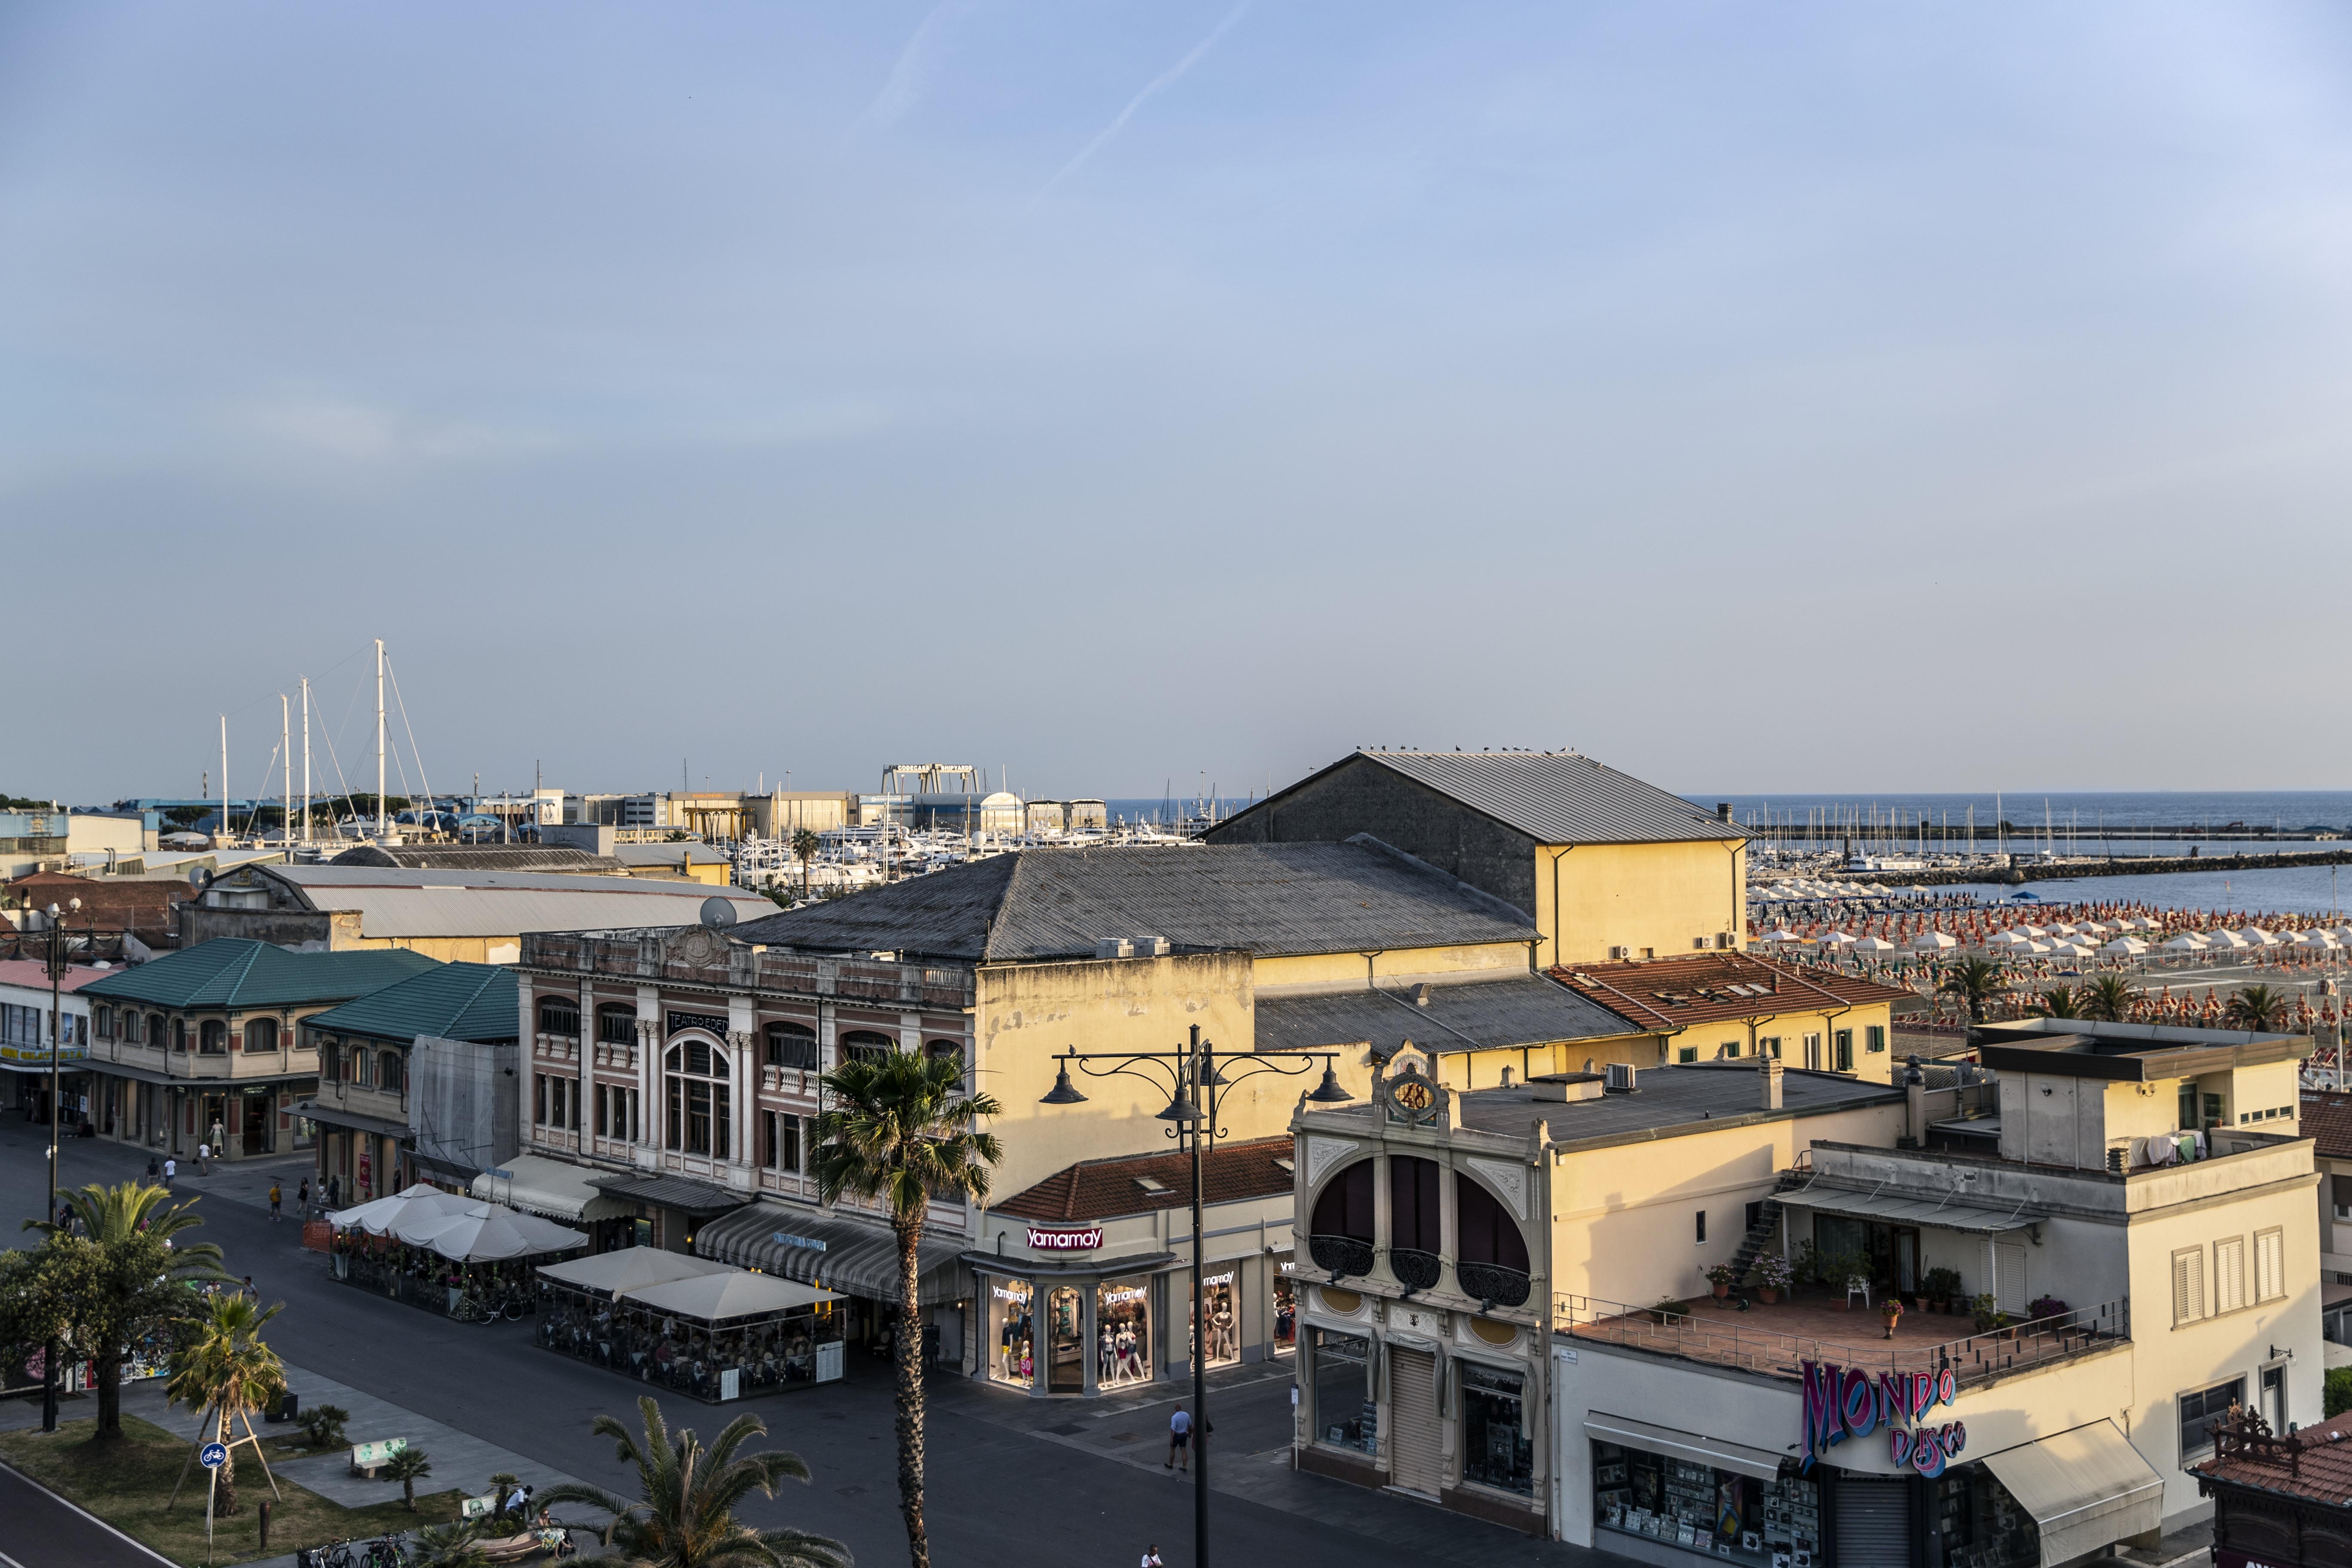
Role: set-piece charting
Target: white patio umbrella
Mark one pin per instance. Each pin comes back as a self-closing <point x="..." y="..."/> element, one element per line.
<point x="2125" y="947"/>
<point x="2187" y="941"/>
<point x="507" y="1233"/>
<point x="2341" y="933"/>
<point x="1934" y="941"/>
<point x="1874" y="945"/>
<point x="378" y="1218"/>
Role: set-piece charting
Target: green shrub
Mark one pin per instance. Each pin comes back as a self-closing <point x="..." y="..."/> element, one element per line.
<point x="2337" y="1391"/>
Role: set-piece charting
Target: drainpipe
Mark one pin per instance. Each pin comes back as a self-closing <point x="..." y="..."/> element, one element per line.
<point x="1559" y="920"/>
<point x="1738" y="904"/>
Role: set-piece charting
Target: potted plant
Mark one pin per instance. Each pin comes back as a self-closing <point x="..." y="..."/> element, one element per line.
<point x="1890" y="1312"/>
<point x="1665" y="1309"/>
<point x="1940" y="1286"/>
<point x="1720" y="1277"/>
<point x="1771" y="1275"/>
<point x="1989" y="1317"/>
<point x="2044" y="1307"/>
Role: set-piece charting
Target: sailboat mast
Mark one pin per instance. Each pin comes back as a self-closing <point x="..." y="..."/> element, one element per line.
<point x="224" y="719"/>
<point x="286" y="752"/>
<point x="379" y="738"/>
<point x="306" y="759"/>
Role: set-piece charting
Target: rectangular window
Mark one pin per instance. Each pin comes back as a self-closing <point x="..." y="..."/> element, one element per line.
<point x="782" y="1137"/>
<point x="1686" y="1053"/>
<point x="2203" y="1410"/>
<point x="2270" y="1265"/>
<point x="1845" y="1050"/>
<point x="539" y="1098"/>
<point x="697" y="1116"/>
<point x="1497" y="1451"/>
<point x="1730" y="1047"/>
<point x="1702" y="1228"/>
<point x="2187" y="1286"/>
<point x="1812" y="1053"/>
<point x="1345" y="1414"/>
<point x="637" y="1127"/>
<point x="1876" y="1036"/>
<point x="604" y="1111"/>
<point x="2229" y="1274"/>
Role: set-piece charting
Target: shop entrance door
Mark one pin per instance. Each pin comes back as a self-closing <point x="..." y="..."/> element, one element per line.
<point x="1067" y="1365"/>
<point x="1874" y="1523"/>
<point x="1906" y="1260"/>
<point x="1413" y="1434"/>
<point x="259" y="1117"/>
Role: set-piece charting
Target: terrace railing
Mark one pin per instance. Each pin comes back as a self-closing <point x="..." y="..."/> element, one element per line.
<point x="1753" y="1345"/>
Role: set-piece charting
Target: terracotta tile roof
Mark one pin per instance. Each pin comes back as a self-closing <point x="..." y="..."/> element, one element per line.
<point x="1105" y="1189"/>
<point x="1706" y="987"/>
<point x="2326" y="1121"/>
<point x="2315" y="1463"/>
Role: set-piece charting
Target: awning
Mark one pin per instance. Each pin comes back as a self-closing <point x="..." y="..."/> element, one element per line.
<point x="1904" y="1208"/>
<point x="536" y="1184"/>
<point x="679" y="1193"/>
<point x="1719" y="1452"/>
<point x="858" y="1257"/>
<point x="2086" y="1489"/>
<point x="334" y="1116"/>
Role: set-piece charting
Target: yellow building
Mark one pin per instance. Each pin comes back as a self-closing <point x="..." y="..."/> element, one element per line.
<point x="1606" y="866"/>
<point x="1722" y="1006"/>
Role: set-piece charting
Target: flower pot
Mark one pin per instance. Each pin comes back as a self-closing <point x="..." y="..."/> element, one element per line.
<point x="1767" y="1294"/>
<point x="1721" y="1291"/>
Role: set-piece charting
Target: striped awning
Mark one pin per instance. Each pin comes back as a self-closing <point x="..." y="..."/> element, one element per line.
<point x="820" y="1246"/>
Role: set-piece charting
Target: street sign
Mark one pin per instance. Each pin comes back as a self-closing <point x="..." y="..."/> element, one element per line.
<point x="213" y="1456"/>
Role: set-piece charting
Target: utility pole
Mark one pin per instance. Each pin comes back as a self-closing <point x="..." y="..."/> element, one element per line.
<point x="379" y="738"/>
<point x="56" y="1041"/>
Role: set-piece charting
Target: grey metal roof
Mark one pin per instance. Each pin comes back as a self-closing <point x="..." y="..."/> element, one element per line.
<point x="396" y="903"/>
<point x="1488" y="1014"/>
<point x="550" y="858"/>
<point x="1936" y="1211"/>
<point x="1553" y="797"/>
<point x="1669" y="1102"/>
<point x="1270" y="900"/>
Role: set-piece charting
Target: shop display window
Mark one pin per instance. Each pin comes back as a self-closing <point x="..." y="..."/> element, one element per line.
<point x="1122" y="1333"/>
<point x="1285" y="1306"/>
<point x="1716" y="1513"/>
<point x="1224" y="1324"/>
<point x="1011" y="1333"/>
<point x="1496" y="1449"/>
<point x="1979" y="1525"/>
<point x="1067" y="1342"/>
<point x="1345" y="1415"/>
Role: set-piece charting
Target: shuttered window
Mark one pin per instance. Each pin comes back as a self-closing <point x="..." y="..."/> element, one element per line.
<point x="2229" y="1274"/>
<point x="2270" y="1265"/>
<point x="2187" y="1286"/>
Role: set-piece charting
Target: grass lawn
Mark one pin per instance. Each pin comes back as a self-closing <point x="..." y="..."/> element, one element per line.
<point x="126" y="1484"/>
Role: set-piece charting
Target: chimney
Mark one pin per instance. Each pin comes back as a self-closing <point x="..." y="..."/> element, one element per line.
<point x="1421" y="995"/>
<point x="1915" y="1095"/>
<point x="1769" y="1069"/>
<point x="1722" y="811"/>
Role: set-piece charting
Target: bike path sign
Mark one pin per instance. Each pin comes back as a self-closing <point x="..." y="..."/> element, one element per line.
<point x="213" y="1456"/>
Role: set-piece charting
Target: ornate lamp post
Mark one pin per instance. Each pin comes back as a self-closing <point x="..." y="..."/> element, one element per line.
<point x="57" y="1040"/>
<point x="1196" y="1087"/>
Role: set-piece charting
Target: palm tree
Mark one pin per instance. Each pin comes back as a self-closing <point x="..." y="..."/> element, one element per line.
<point x="408" y="1466"/>
<point x="2261" y="1008"/>
<point x="901" y="1130"/>
<point x="503" y="1487"/>
<point x="2060" y="1004"/>
<point x="686" y="1517"/>
<point x="225" y="1369"/>
<point x="806" y="844"/>
<point x="2108" y="999"/>
<point x="456" y="1545"/>
<point x="1976" y="981"/>
<point x="142" y="1274"/>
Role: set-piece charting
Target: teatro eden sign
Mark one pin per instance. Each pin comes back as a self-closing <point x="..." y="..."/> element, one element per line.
<point x="1843" y="1402"/>
<point x="1088" y="1240"/>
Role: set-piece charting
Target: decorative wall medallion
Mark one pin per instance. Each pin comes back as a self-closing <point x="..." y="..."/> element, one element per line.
<point x="1322" y="1154"/>
<point x="697" y="945"/>
<point x="1508" y="1180"/>
<point x="1408" y="1095"/>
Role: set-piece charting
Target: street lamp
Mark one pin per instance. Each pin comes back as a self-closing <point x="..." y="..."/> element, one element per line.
<point x="56" y="1039"/>
<point x="1186" y="1072"/>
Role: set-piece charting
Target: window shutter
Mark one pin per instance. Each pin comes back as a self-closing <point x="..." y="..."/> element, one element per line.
<point x="2187" y="1286"/>
<point x="2270" y="1266"/>
<point x="2342" y="1191"/>
<point x="2230" y="1274"/>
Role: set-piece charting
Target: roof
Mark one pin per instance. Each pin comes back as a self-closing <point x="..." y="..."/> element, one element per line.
<point x="633" y="855"/>
<point x="393" y="903"/>
<point x="1553" y="797"/>
<point x="1270" y="900"/>
<point x="452" y="1001"/>
<point x="2131" y="1053"/>
<point x="1667" y="1102"/>
<point x="2326" y="1121"/>
<point x="1708" y="987"/>
<point x="1482" y="1015"/>
<point x="2315" y="1463"/>
<point x="235" y="973"/>
<point x="1105" y="1189"/>
<point x="679" y="1193"/>
<point x="479" y="858"/>
<point x="32" y="974"/>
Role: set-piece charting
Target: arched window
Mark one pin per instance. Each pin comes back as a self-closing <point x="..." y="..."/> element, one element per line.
<point x="1340" y="1238"/>
<point x="261" y="1034"/>
<point x="616" y="1023"/>
<point x="331" y="1057"/>
<point x="392" y="1075"/>
<point x="1491" y="1258"/>
<point x="700" y="1107"/>
<point x="950" y="1051"/>
<point x="865" y="1045"/>
<point x="559" y="1015"/>
<point x="102" y="1019"/>
<point x="1414" y="1227"/>
<point x="157" y="1032"/>
<point x="213" y="1038"/>
<point x="791" y="1046"/>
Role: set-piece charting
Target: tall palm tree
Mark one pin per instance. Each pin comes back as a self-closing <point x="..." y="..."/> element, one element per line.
<point x="901" y="1129"/>
<point x="2261" y="1008"/>
<point x="2060" y="1003"/>
<point x="142" y="1274"/>
<point x="686" y="1515"/>
<point x="1975" y="981"/>
<point x="806" y="844"/>
<point x="2108" y="999"/>
<point x="226" y="1370"/>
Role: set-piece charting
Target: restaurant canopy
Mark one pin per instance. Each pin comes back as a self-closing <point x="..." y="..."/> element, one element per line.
<point x="627" y="1269"/>
<point x="859" y="1257"/>
<point x="377" y="1217"/>
<point x="2086" y="1489"/>
<point x="549" y="1187"/>
<point x="728" y="1294"/>
<point x="493" y="1236"/>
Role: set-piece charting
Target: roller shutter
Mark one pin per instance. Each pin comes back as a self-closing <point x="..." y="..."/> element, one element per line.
<point x="1874" y="1523"/>
<point x="1414" y="1436"/>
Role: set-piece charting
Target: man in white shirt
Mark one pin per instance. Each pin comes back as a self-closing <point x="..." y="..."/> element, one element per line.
<point x="1152" y="1558"/>
<point x="171" y="1168"/>
<point x="1180" y="1441"/>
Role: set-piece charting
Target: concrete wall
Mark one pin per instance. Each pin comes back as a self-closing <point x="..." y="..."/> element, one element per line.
<point x="1658" y="899"/>
<point x="1392" y="964"/>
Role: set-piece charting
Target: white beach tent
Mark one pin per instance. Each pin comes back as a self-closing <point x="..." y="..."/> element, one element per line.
<point x="2224" y="940"/>
<point x="2187" y="941"/>
<point x="1783" y="934"/>
<point x="1934" y="941"/>
<point x="2073" y="950"/>
<point x="2317" y="940"/>
<point x="1874" y="946"/>
<point x="2255" y="936"/>
<point x="2125" y="947"/>
<point x="1837" y="939"/>
<point x="2341" y="933"/>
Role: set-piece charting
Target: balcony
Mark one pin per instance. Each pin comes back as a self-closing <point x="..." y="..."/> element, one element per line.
<point x="1416" y="1269"/>
<point x="1493" y="1282"/>
<point x="1777" y="1339"/>
<point x="1340" y="1255"/>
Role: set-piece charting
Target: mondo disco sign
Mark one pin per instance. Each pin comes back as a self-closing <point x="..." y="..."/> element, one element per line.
<point x="1088" y="1240"/>
<point x="1844" y="1402"/>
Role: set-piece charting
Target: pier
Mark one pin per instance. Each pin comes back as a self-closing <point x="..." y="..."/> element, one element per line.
<point x="2073" y="869"/>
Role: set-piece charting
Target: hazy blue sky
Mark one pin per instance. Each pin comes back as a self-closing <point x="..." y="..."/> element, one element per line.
<point x="1757" y="397"/>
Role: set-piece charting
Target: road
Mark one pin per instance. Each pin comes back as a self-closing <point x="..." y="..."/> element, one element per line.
<point x="37" y="1530"/>
<point x="1011" y="1479"/>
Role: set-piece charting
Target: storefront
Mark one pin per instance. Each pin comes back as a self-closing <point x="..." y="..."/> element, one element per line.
<point x="709" y="1330"/>
<point x="856" y="1259"/>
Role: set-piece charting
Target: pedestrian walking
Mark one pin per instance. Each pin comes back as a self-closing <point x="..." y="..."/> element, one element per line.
<point x="1152" y="1558"/>
<point x="154" y="1170"/>
<point x="250" y="1289"/>
<point x="204" y="1159"/>
<point x="302" y="1198"/>
<point x="171" y="1168"/>
<point x="273" y="1197"/>
<point x="1180" y="1441"/>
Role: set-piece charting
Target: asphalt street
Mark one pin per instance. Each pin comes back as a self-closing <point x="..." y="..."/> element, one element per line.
<point x="40" y="1532"/>
<point x="1011" y="1479"/>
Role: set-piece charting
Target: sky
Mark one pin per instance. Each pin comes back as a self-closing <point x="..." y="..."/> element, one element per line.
<point x="1790" y="398"/>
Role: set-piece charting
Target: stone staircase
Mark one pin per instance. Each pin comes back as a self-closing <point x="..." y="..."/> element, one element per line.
<point x="1767" y="1221"/>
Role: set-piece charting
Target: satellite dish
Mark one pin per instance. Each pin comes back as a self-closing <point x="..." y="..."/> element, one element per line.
<point x="717" y="914"/>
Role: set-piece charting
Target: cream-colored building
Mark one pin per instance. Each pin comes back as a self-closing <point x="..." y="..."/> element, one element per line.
<point x="2138" y="1236"/>
<point x="1607" y="867"/>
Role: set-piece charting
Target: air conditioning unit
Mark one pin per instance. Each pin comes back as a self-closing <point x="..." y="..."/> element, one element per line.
<point x="1723" y="939"/>
<point x="1113" y="947"/>
<point x="1620" y="1077"/>
<point x="1698" y="944"/>
<point x="1621" y="953"/>
<point x="1151" y="947"/>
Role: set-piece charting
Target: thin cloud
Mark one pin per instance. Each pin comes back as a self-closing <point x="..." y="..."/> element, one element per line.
<point x="1165" y="78"/>
<point x="912" y="72"/>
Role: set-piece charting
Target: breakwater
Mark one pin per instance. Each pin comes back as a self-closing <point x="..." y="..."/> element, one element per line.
<point x="2075" y="870"/>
